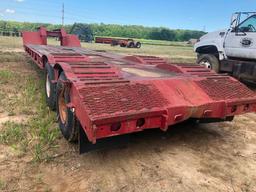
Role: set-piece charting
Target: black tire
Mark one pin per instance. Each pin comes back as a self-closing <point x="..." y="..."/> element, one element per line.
<point x="130" y="44"/>
<point x="211" y="59"/>
<point x="138" y="45"/>
<point x="50" y="88"/>
<point x="67" y="120"/>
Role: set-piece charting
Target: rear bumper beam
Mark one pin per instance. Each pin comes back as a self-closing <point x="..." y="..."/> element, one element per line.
<point x="214" y="112"/>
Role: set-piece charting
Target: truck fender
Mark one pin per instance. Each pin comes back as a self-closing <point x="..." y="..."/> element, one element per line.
<point x="212" y="43"/>
<point x="211" y="49"/>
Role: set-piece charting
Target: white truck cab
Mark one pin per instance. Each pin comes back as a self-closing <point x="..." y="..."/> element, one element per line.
<point x="233" y="50"/>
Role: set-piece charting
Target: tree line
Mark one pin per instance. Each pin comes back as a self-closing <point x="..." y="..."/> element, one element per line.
<point x="87" y="32"/>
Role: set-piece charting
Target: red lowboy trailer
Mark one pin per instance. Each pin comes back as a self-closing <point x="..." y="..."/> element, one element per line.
<point x="100" y="95"/>
<point x="130" y="43"/>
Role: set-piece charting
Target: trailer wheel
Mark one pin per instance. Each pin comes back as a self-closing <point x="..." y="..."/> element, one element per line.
<point x="130" y="44"/>
<point x="209" y="61"/>
<point x="66" y="117"/>
<point x="138" y="45"/>
<point x="50" y="88"/>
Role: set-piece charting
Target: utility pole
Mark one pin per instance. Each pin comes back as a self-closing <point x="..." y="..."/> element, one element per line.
<point x="63" y="12"/>
<point x="204" y="28"/>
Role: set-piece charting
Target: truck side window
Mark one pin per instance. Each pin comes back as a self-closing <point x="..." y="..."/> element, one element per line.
<point x="248" y="25"/>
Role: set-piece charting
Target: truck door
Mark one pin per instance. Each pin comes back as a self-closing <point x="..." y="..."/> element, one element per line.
<point x="241" y="41"/>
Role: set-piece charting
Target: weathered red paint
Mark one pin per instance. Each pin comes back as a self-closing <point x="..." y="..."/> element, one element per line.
<point x="116" y="41"/>
<point x="40" y="37"/>
<point x="107" y="88"/>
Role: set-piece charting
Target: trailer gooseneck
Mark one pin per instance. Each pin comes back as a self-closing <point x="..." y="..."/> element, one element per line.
<point x="98" y="95"/>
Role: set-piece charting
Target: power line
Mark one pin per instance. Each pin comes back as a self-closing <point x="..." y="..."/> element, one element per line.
<point x="71" y="16"/>
<point x="66" y="15"/>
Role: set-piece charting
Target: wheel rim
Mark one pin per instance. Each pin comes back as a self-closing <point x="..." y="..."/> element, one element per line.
<point x="206" y="64"/>
<point x="48" y="86"/>
<point x="62" y="108"/>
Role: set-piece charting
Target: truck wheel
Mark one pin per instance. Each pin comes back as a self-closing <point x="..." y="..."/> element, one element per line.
<point x="122" y="45"/>
<point x="50" y="88"/>
<point x="209" y="61"/>
<point x="138" y="45"/>
<point x="66" y="117"/>
<point x="130" y="44"/>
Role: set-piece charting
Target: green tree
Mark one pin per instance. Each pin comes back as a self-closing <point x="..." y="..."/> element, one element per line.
<point x="86" y="31"/>
<point x="83" y="31"/>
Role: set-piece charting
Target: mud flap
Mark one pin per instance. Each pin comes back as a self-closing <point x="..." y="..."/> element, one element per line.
<point x="212" y="120"/>
<point x="85" y="146"/>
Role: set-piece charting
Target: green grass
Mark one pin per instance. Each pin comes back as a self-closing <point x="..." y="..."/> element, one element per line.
<point x="10" y="42"/>
<point x="21" y="91"/>
<point x="5" y="76"/>
<point x="12" y="133"/>
<point x="24" y="95"/>
<point x="38" y="135"/>
<point x="10" y="56"/>
<point x="163" y="43"/>
<point x="2" y="185"/>
<point x="174" y="51"/>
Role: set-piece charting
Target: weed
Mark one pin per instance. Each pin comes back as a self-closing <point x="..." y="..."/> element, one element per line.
<point x="11" y="113"/>
<point x="11" y="57"/>
<point x="2" y="185"/>
<point x="26" y="96"/>
<point x="38" y="153"/>
<point x="5" y="76"/>
<point x="246" y="187"/>
<point x="47" y="189"/>
<point x="42" y="126"/>
<point x="39" y="179"/>
<point x="24" y="146"/>
<point x="45" y="132"/>
<point x="12" y="133"/>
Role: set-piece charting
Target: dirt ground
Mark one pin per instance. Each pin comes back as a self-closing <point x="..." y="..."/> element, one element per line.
<point x="188" y="157"/>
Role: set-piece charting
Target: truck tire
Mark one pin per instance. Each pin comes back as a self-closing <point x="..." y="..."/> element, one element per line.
<point x="67" y="120"/>
<point x="138" y="45"/>
<point x="50" y="88"/>
<point x="130" y="44"/>
<point x="209" y="61"/>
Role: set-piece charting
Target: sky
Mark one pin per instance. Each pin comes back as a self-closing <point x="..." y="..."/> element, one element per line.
<point x="207" y="15"/>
